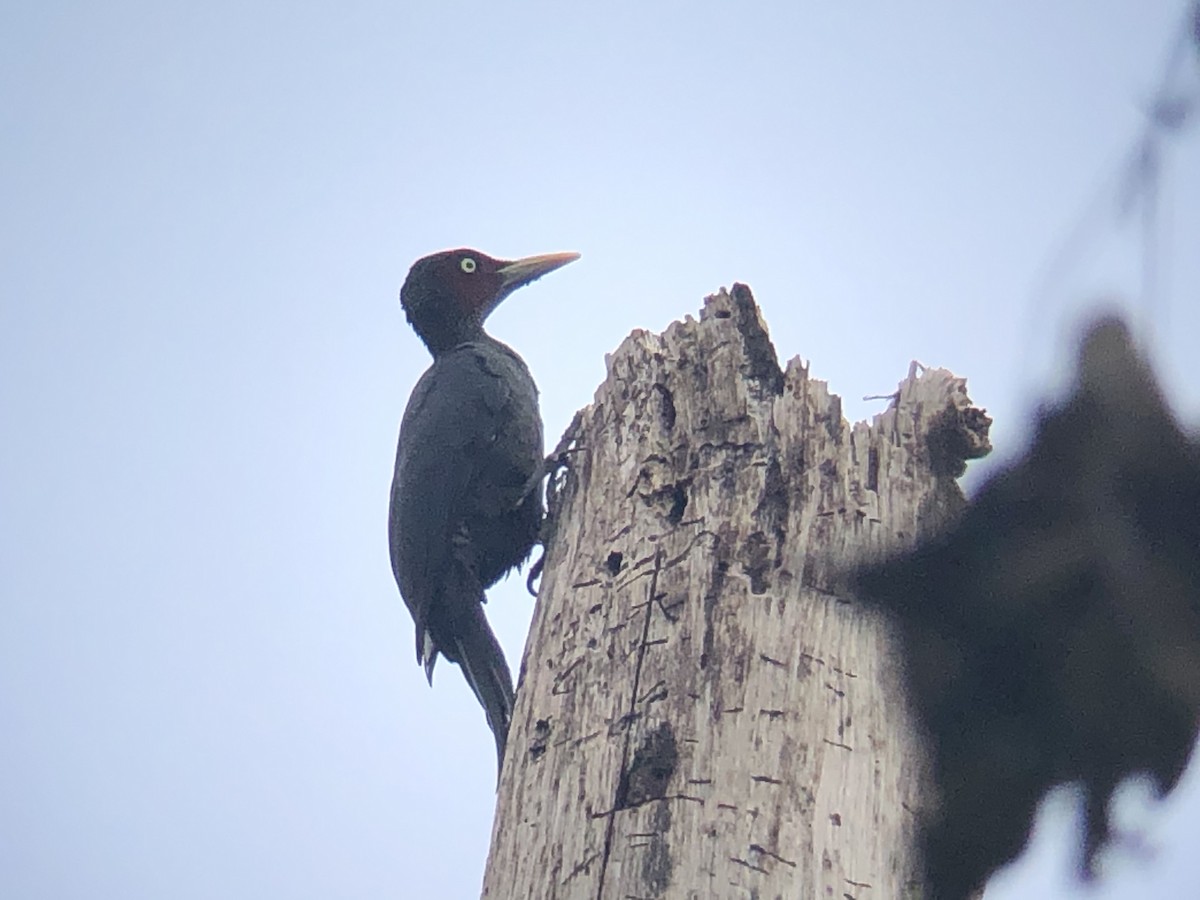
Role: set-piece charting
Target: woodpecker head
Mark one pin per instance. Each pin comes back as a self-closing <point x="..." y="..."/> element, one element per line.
<point x="447" y="296"/>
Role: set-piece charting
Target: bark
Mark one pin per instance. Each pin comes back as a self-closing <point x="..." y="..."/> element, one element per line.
<point x="702" y="709"/>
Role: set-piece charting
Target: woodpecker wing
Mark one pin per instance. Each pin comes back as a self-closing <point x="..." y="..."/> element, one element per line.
<point x="468" y="452"/>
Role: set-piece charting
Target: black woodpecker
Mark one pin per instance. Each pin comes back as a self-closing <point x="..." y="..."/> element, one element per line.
<point x="466" y="496"/>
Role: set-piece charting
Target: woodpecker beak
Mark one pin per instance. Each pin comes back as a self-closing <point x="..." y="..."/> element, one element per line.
<point x="522" y="271"/>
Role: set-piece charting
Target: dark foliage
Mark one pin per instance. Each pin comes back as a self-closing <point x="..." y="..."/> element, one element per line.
<point x="1052" y="636"/>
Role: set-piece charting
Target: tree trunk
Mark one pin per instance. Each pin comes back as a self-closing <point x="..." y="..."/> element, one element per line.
<point x="702" y="711"/>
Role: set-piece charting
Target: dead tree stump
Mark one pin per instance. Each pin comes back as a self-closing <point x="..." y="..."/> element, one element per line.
<point x="702" y="711"/>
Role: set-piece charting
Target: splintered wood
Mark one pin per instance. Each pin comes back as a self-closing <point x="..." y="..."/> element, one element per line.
<point x="703" y="711"/>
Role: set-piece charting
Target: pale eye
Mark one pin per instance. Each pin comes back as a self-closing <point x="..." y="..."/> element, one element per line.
<point x="467" y="265"/>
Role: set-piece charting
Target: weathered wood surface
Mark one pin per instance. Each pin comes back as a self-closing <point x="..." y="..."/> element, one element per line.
<point x="702" y="712"/>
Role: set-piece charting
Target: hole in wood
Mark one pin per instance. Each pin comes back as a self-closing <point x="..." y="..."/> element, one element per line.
<point x="679" y="502"/>
<point x="613" y="563"/>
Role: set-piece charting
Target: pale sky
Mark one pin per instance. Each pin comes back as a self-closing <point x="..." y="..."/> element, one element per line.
<point x="207" y="684"/>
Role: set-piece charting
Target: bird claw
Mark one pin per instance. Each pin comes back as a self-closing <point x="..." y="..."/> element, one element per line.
<point x="552" y="467"/>
<point x="534" y="572"/>
<point x="558" y="460"/>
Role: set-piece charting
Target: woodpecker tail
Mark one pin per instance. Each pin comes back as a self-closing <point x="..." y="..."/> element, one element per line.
<point x="486" y="671"/>
<point x="471" y="643"/>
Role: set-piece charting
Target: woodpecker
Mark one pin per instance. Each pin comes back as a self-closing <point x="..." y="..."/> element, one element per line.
<point x="466" y="504"/>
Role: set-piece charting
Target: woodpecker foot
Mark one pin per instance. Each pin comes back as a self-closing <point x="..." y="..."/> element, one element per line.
<point x="553" y="467"/>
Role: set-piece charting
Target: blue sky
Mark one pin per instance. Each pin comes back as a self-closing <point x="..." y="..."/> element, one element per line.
<point x="206" y="212"/>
